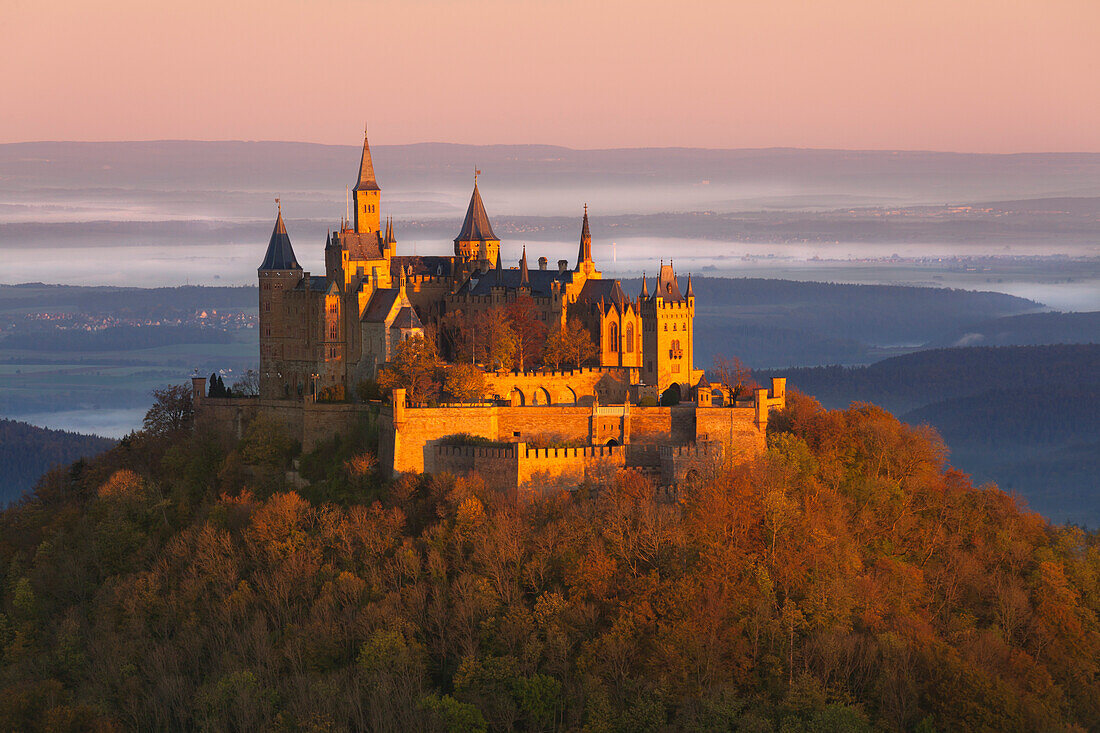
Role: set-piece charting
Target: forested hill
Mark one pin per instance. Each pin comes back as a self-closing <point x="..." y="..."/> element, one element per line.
<point x="1025" y="417"/>
<point x="27" y="452"/>
<point x="844" y="581"/>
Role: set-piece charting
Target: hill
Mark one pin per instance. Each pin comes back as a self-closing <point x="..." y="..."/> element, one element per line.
<point x="27" y="452"/>
<point x="1024" y="417"/>
<point x="845" y="580"/>
<point x="1029" y="329"/>
<point x="780" y="323"/>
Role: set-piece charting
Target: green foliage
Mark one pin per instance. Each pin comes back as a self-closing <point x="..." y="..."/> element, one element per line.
<point x="843" y="581"/>
<point x="648" y="401"/>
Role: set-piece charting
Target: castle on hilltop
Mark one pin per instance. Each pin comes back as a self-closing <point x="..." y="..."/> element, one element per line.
<point x="324" y="336"/>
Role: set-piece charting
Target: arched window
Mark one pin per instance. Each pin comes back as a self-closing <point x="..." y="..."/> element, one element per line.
<point x="332" y="332"/>
<point x="613" y="338"/>
<point x="630" y="338"/>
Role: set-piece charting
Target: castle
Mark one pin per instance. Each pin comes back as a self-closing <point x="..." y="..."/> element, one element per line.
<point x="323" y="336"/>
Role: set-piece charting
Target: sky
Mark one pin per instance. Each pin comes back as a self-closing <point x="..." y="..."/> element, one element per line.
<point x="959" y="75"/>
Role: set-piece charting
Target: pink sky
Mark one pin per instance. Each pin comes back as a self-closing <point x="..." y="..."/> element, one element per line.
<point x="965" y="75"/>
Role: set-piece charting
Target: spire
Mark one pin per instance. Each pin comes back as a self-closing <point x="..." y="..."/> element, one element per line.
<point x="690" y="293"/>
<point x="389" y="238"/>
<point x="280" y="255"/>
<point x="584" y="254"/>
<point x="476" y="226"/>
<point x="645" y="287"/>
<point x="367" y="181"/>
<point x="524" y="277"/>
<point x="500" y="271"/>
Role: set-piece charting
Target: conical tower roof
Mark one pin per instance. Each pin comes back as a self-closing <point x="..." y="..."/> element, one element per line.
<point x="280" y="255"/>
<point x="499" y="271"/>
<point x="645" y="287"/>
<point x="476" y="226"/>
<point x="524" y="275"/>
<point x="367" y="181"/>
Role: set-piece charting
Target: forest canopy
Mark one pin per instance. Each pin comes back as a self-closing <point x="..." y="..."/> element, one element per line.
<point x="847" y="579"/>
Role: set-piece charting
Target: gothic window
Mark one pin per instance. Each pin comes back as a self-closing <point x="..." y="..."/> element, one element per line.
<point x="332" y="332"/>
<point x="613" y="338"/>
<point x="629" y="338"/>
<point x="666" y="326"/>
<point x="673" y="326"/>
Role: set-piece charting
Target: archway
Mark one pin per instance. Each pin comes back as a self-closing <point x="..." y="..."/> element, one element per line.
<point x="671" y="396"/>
<point x="516" y="398"/>
<point x="567" y="397"/>
<point x="612" y="443"/>
<point x="540" y="397"/>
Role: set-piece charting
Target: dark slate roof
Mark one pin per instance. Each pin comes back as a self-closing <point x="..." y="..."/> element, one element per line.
<point x="584" y="252"/>
<point x="609" y="291"/>
<point x="667" y="285"/>
<point x="540" y="281"/>
<point x="380" y="304"/>
<point x="316" y="283"/>
<point x="280" y="255"/>
<point x="407" y="318"/>
<point x="367" y="181"/>
<point x="421" y="265"/>
<point x="360" y="246"/>
<point x="476" y="226"/>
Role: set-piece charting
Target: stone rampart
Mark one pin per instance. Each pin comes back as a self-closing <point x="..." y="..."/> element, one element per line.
<point x="564" y="387"/>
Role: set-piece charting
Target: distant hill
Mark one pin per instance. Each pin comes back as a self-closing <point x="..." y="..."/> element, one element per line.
<point x="778" y="323"/>
<point x="1025" y="417"/>
<point x="1029" y="329"/>
<point x="27" y="452"/>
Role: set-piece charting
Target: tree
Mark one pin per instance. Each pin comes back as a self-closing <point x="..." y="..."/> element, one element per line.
<point x="522" y="315"/>
<point x="172" y="411"/>
<point x="464" y="382"/>
<point x="570" y="344"/>
<point x="248" y="385"/>
<point x="413" y="369"/>
<point x="495" y="341"/>
<point x="735" y="378"/>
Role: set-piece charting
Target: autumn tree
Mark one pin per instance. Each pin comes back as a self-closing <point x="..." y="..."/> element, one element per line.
<point x="571" y="345"/>
<point x="413" y="368"/>
<point x="735" y="378"/>
<point x="464" y="382"/>
<point x="530" y="332"/>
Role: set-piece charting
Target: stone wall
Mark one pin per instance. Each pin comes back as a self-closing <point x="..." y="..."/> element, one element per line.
<point x="518" y="465"/>
<point x="565" y="387"/>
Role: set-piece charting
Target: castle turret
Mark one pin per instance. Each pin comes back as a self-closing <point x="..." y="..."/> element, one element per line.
<point x="278" y="273"/>
<point x="476" y="242"/>
<point x="524" y="274"/>
<point x="368" y="195"/>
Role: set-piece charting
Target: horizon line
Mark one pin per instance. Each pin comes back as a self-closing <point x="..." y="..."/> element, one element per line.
<point x="547" y="145"/>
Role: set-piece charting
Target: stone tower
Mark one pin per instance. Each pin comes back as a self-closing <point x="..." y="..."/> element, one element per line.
<point x="476" y="245"/>
<point x="668" y="323"/>
<point x="368" y="205"/>
<point x="278" y="273"/>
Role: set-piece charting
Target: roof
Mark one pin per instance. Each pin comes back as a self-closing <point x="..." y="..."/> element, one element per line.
<point x="609" y="291"/>
<point x="584" y="253"/>
<point x="360" y="245"/>
<point x="316" y="283"/>
<point x="667" y="285"/>
<point x="380" y="305"/>
<point x="406" y="318"/>
<point x="423" y="265"/>
<point x="367" y="181"/>
<point x="476" y="226"/>
<point x="280" y="255"/>
<point x="510" y="279"/>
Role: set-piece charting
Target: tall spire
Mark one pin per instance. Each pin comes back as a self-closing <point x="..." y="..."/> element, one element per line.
<point x="524" y="277"/>
<point x="499" y="270"/>
<point x="645" y="287"/>
<point x="584" y="254"/>
<point x="367" y="181"/>
<point x="690" y="293"/>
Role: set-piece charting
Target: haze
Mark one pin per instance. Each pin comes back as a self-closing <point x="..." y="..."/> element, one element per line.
<point x="978" y="76"/>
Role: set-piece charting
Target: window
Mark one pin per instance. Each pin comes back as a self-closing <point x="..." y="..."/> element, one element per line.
<point x="332" y="332"/>
<point x="630" y="338"/>
<point x="673" y="326"/>
<point x="613" y="338"/>
<point x="666" y="326"/>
